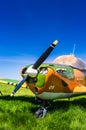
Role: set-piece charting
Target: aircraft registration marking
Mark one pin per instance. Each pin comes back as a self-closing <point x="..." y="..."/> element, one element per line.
<point x="51" y="87"/>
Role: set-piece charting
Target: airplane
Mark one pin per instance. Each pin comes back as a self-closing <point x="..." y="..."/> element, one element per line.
<point x="64" y="78"/>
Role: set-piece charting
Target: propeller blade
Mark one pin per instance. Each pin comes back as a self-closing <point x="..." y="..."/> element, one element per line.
<point x="44" y="55"/>
<point x="19" y="85"/>
<point x="37" y="64"/>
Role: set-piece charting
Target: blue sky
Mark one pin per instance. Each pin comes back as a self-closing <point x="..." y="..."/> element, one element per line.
<point x="27" y="27"/>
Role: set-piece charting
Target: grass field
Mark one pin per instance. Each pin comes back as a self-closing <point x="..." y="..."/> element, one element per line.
<point x="17" y="113"/>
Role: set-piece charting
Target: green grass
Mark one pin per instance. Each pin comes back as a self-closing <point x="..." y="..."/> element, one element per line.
<point x="17" y="113"/>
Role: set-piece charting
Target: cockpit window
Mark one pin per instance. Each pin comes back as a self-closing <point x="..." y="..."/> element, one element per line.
<point x="61" y="70"/>
<point x="65" y="71"/>
<point x="43" y="70"/>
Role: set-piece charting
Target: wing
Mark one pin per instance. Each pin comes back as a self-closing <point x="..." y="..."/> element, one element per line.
<point x="11" y="82"/>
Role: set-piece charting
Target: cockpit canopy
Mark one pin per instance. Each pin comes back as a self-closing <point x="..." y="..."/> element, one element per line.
<point x="71" y="60"/>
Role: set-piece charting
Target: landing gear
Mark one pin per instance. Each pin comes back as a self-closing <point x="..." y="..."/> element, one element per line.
<point x="41" y="112"/>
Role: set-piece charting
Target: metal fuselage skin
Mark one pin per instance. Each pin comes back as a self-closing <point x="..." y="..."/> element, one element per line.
<point x="57" y="81"/>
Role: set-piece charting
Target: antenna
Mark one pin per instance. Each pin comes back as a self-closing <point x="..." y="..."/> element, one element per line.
<point x="73" y="49"/>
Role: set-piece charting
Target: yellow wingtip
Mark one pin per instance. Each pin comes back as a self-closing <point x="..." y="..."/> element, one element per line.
<point x="55" y="42"/>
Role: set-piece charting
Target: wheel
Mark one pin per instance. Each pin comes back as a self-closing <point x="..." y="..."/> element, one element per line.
<point x="41" y="112"/>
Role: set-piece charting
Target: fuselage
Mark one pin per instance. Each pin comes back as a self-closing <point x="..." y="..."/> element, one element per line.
<point x="57" y="81"/>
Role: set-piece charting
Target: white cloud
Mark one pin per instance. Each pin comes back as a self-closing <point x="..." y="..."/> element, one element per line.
<point x="18" y="59"/>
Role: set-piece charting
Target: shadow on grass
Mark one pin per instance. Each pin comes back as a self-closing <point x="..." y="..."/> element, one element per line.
<point x="55" y="105"/>
<point x="18" y="98"/>
<point x="65" y="104"/>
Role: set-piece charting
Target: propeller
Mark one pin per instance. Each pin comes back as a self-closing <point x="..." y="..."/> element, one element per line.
<point x="37" y="64"/>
